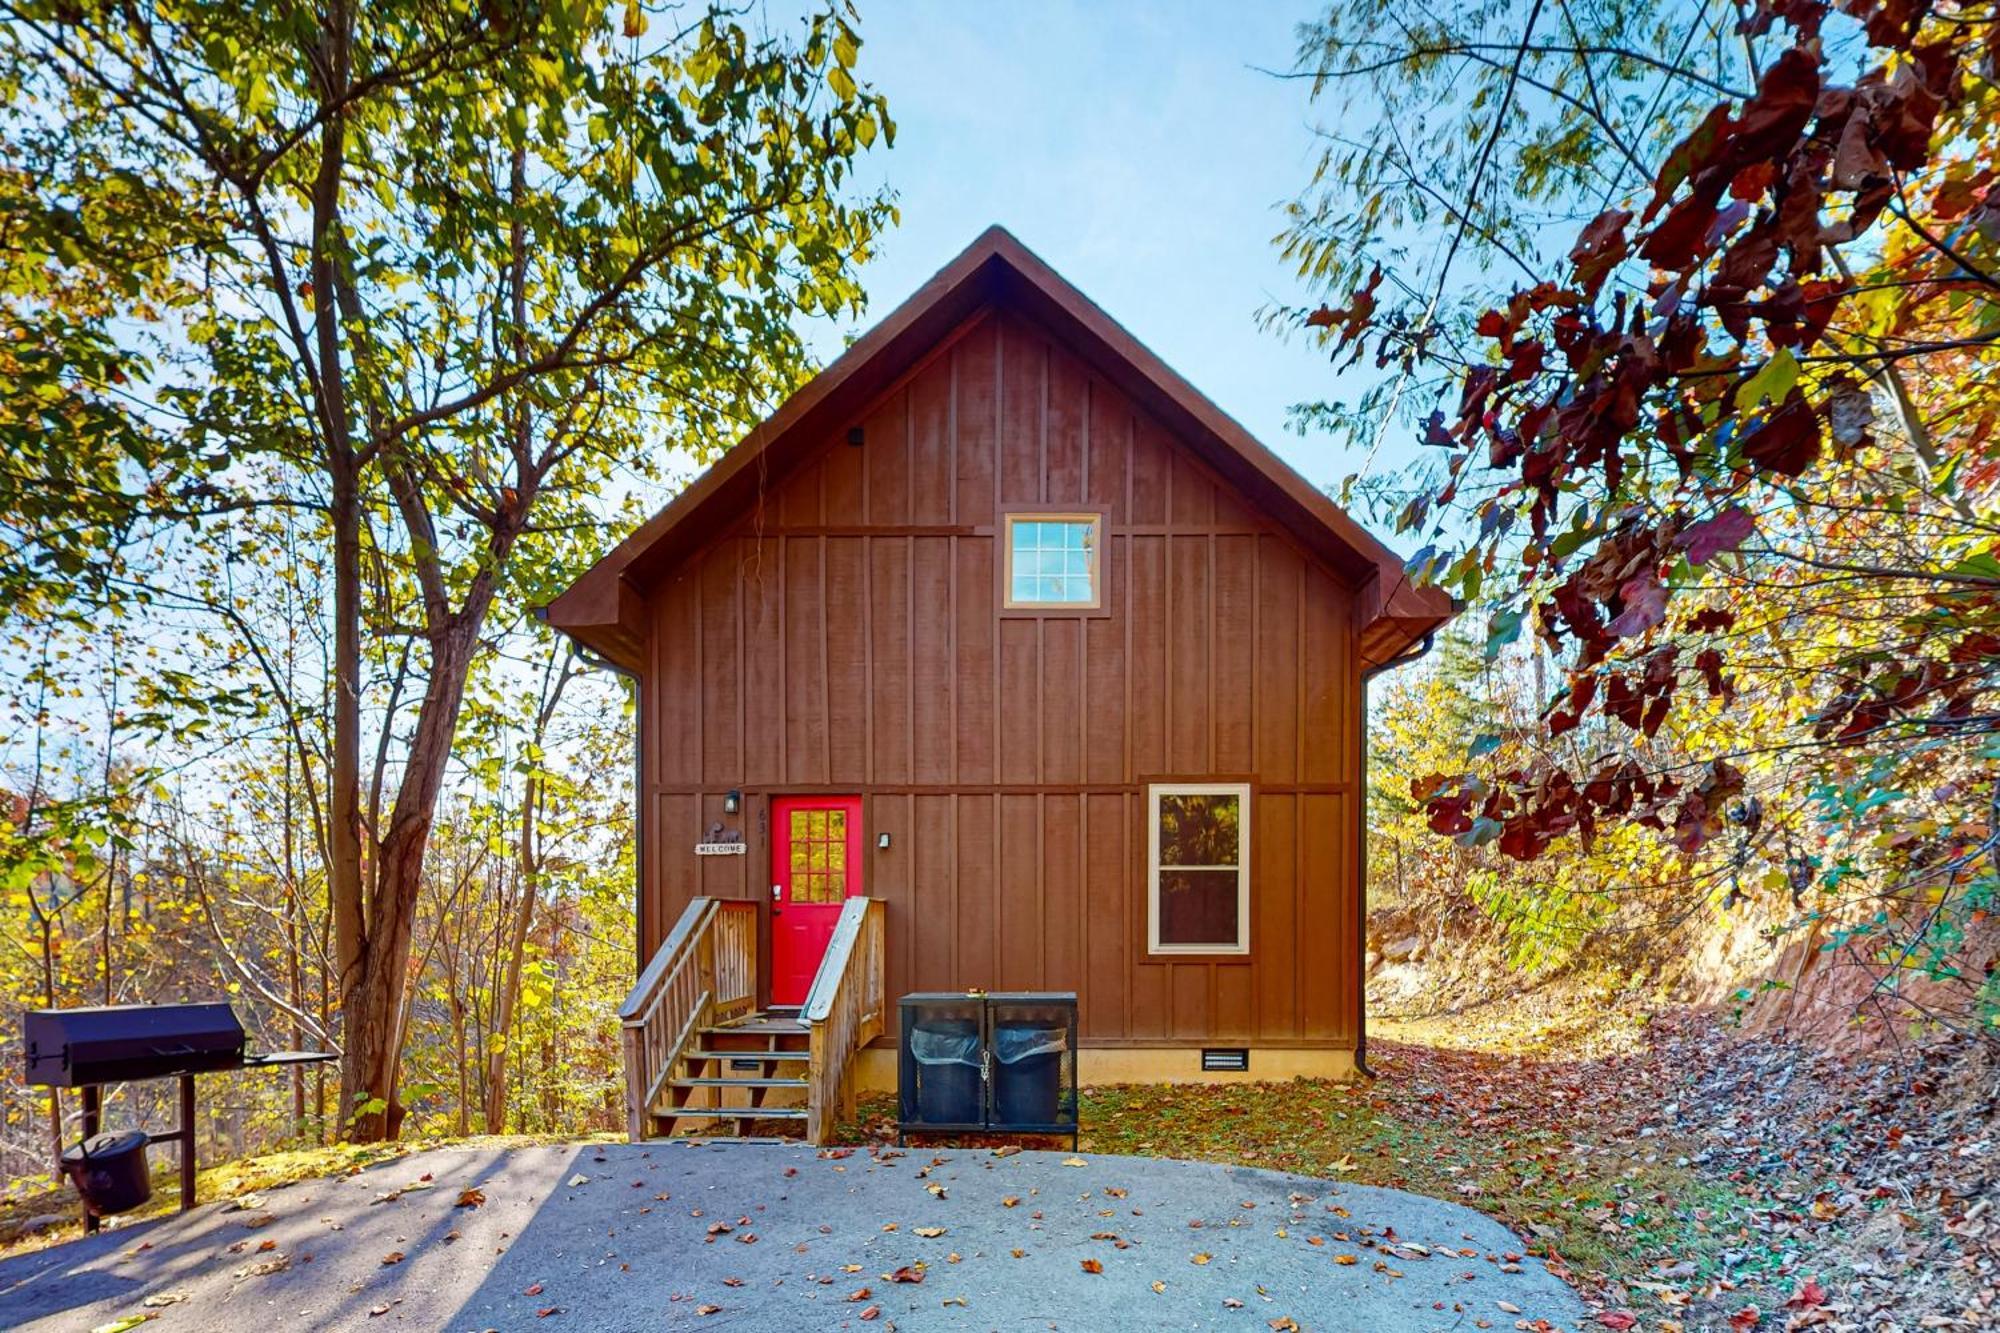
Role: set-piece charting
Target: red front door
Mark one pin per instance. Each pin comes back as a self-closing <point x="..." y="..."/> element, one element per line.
<point x="815" y="864"/>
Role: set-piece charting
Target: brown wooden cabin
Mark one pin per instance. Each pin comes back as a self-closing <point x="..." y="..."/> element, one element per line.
<point x="1011" y="662"/>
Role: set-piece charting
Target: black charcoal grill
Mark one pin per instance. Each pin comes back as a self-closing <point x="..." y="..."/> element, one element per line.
<point x="128" y="1043"/>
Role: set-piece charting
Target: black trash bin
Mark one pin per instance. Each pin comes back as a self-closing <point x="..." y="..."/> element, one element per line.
<point x="946" y="1051"/>
<point x="109" y="1171"/>
<point x="1027" y="1072"/>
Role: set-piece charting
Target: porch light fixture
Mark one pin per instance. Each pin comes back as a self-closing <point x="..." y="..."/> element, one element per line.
<point x="732" y="801"/>
<point x="883" y="842"/>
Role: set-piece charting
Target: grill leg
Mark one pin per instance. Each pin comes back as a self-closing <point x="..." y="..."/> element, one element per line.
<point x="187" y="1142"/>
<point x="91" y="1108"/>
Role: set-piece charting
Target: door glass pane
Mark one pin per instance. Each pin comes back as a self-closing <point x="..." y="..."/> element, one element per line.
<point x="1199" y="830"/>
<point x="818" y="856"/>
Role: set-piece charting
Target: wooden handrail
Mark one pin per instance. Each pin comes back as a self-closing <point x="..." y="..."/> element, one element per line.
<point x="843" y="1012"/>
<point x="665" y="958"/>
<point x="705" y="969"/>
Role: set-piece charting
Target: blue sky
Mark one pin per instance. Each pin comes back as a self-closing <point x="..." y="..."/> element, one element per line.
<point x="1137" y="149"/>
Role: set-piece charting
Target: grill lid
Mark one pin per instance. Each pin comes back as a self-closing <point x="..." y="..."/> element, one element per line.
<point x="116" y="1043"/>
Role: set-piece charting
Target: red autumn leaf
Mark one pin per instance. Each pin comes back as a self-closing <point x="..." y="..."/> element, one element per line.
<point x="1712" y="620"/>
<point x="1788" y="440"/>
<point x="1807" y="1296"/>
<point x="1645" y="605"/>
<point x="1745" y="1319"/>
<point x="1772" y="120"/>
<point x="1682" y="234"/>
<point x="1710" y="538"/>
<point x="1750" y="183"/>
<point x="1618" y="1319"/>
<point x="1709" y="662"/>
<point x="1091" y="1265"/>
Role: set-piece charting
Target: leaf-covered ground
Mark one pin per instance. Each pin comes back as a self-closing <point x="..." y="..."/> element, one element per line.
<point x="1681" y="1177"/>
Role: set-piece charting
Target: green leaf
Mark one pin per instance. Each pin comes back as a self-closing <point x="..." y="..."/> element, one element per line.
<point x="1771" y="384"/>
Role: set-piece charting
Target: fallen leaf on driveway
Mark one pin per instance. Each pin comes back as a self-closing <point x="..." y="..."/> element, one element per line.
<point x="1201" y="1258"/>
<point x="929" y="1233"/>
<point x="120" y="1325"/>
<point x="578" y="1179"/>
<point x="1091" y="1265"/>
<point x="535" y="1290"/>
<point x="165" y="1298"/>
<point x="392" y="1257"/>
<point x="872" y="1312"/>
<point x="908" y="1273"/>
<point x="861" y="1295"/>
<point x="471" y="1198"/>
<point x="708" y="1309"/>
<point x="1074" y="1161"/>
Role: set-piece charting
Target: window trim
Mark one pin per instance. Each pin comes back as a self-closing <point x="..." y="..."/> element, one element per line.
<point x="1245" y="794"/>
<point x="1095" y="518"/>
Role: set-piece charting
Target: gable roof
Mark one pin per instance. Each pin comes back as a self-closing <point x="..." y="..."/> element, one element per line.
<point x="603" y="609"/>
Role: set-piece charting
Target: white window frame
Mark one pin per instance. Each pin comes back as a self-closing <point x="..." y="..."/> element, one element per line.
<point x="1095" y="520"/>
<point x="1154" y="791"/>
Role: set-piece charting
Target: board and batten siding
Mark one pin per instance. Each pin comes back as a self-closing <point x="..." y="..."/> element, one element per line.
<point x="847" y="637"/>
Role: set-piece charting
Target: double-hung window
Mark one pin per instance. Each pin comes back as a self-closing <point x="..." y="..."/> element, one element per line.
<point x="1198" y="868"/>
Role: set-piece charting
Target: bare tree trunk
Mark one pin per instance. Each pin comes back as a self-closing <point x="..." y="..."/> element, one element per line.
<point x="372" y="1006"/>
<point x="528" y="874"/>
<point x="504" y="1002"/>
<point x="356" y="954"/>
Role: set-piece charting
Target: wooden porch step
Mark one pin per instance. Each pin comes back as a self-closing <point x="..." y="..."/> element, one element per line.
<point x="738" y="1082"/>
<point x="733" y="1113"/>
<point x="749" y="1055"/>
<point x="759" y="1027"/>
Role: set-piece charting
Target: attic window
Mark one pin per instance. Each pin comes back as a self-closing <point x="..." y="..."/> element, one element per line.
<point x="1053" y="561"/>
